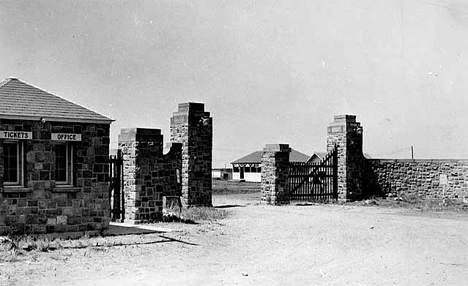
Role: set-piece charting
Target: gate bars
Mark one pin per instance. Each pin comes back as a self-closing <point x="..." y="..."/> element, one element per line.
<point x="309" y="181"/>
<point x="116" y="197"/>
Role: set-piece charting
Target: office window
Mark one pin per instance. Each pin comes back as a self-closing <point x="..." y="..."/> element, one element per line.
<point x="64" y="164"/>
<point x="12" y="163"/>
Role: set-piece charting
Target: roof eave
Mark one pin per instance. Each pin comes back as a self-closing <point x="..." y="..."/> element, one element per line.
<point x="52" y="119"/>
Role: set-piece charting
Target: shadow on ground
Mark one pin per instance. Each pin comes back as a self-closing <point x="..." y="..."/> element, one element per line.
<point x="127" y="229"/>
<point x="228" y="206"/>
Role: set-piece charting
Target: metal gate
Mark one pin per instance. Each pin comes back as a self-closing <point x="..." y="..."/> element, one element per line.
<point x="314" y="181"/>
<point x="116" y="197"/>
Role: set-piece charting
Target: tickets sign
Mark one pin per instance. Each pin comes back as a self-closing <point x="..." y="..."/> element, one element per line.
<point x="22" y="135"/>
<point x="65" y="137"/>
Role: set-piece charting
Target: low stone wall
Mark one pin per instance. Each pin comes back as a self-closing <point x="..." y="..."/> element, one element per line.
<point x="148" y="174"/>
<point x="429" y="179"/>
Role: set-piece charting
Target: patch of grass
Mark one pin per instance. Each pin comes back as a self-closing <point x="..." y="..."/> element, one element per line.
<point x="222" y="187"/>
<point x="415" y="202"/>
<point x="37" y="243"/>
<point x="12" y="255"/>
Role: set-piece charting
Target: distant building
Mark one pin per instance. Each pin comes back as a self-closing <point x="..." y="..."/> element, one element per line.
<point x="222" y="173"/>
<point x="317" y="157"/>
<point x="248" y="167"/>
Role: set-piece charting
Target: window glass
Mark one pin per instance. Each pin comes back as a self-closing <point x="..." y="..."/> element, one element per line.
<point x="61" y="163"/>
<point x="11" y="157"/>
<point x="64" y="164"/>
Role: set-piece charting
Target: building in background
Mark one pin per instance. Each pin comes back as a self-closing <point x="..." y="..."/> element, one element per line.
<point x="317" y="157"/>
<point x="248" y="167"/>
<point x="222" y="173"/>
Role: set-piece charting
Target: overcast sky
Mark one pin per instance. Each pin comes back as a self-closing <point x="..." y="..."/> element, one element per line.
<point x="268" y="71"/>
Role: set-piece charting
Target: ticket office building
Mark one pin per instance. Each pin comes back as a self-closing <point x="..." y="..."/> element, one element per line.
<point x="53" y="163"/>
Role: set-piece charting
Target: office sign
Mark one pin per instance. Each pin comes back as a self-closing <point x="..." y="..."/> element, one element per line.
<point x="65" y="137"/>
<point x="22" y="135"/>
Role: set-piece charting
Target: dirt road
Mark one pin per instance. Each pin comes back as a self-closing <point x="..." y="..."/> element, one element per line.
<point x="267" y="245"/>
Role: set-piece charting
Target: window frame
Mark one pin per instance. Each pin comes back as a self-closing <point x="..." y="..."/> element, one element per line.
<point x="69" y="164"/>
<point x="19" y="164"/>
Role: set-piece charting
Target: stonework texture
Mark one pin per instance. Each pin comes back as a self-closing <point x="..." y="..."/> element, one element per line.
<point x="192" y="126"/>
<point x="346" y="134"/>
<point x="40" y="205"/>
<point x="275" y="168"/>
<point x="428" y="179"/>
<point x="360" y="178"/>
<point x="148" y="174"/>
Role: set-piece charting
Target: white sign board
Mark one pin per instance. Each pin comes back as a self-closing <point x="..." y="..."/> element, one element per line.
<point x="15" y="135"/>
<point x="65" y="137"/>
<point x="443" y="179"/>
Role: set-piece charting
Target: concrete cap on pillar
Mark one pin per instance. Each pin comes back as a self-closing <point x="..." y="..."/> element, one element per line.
<point x="344" y="123"/>
<point x="345" y="118"/>
<point x="191" y="106"/>
<point x="277" y="148"/>
<point x="140" y="134"/>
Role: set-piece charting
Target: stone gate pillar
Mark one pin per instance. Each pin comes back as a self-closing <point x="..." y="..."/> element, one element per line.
<point x="141" y="149"/>
<point x="275" y="168"/>
<point x="346" y="134"/>
<point x="192" y="126"/>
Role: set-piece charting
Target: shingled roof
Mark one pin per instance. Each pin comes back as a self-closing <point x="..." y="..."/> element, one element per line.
<point x="19" y="100"/>
<point x="256" y="157"/>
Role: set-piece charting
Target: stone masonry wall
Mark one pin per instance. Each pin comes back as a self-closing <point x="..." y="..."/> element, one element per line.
<point x="429" y="179"/>
<point x="274" y="165"/>
<point x="346" y="134"/>
<point x="360" y="178"/>
<point x="40" y="206"/>
<point x="148" y="174"/>
<point x="192" y="126"/>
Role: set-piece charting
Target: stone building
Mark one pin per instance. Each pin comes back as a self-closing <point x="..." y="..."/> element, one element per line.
<point x="53" y="163"/>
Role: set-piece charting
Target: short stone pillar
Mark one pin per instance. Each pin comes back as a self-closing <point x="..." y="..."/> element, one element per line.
<point x="275" y="169"/>
<point x="192" y="126"/>
<point x="346" y="134"/>
<point x="148" y="175"/>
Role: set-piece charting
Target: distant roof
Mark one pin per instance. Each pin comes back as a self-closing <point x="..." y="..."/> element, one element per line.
<point x="19" y="100"/>
<point x="256" y="157"/>
<point x="320" y="155"/>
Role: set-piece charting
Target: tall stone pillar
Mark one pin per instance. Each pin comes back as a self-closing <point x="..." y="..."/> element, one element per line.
<point x="275" y="168"/>
<point x="141" y="149"/>
<point x="346" y="134"/>
<point x="192" y="126"/>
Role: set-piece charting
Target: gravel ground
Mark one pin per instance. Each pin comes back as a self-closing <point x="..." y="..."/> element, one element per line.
<point x="267" y="245"/>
